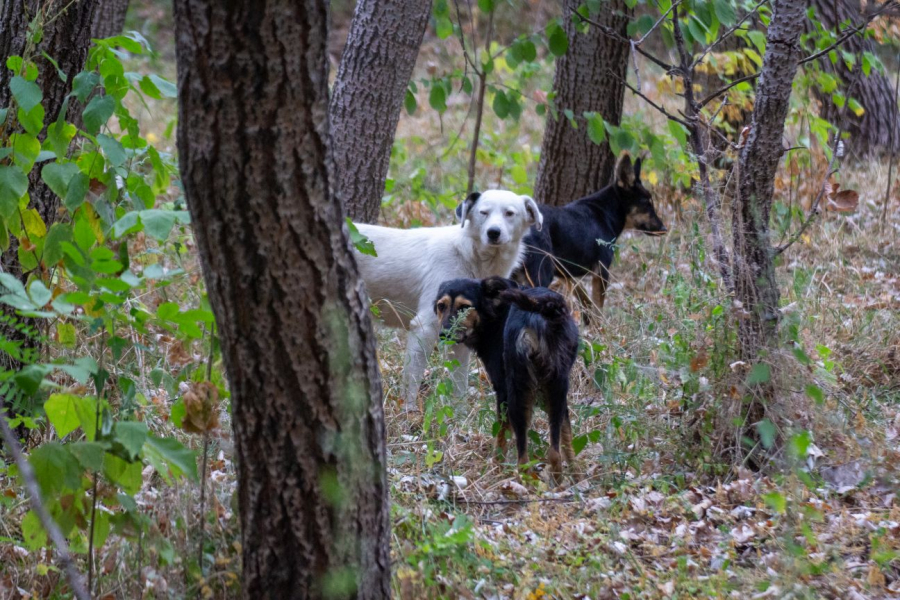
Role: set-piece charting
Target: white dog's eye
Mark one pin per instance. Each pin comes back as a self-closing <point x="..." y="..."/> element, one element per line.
<point x="510" y="213"/>
<point x="484" y="212"/>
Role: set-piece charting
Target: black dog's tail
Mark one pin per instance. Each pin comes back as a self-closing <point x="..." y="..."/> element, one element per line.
<point x="549" y="305"/>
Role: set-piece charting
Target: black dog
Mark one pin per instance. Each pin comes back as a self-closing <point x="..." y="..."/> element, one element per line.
<point x="528" y="342"/>
<point x="577" y="238"/>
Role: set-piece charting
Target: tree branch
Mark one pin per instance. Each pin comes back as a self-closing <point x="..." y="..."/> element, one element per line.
<point x="850" y="32"/>
<point x="662" y="110"/>
<point x="73" y="575"/>
<point x="609" y="32"/>
<point x="725" y="35"/>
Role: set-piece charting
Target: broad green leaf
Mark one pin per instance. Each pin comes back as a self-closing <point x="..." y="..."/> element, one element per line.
<point x="500" y="104"/>
<point x="557" y="41"/>
<point x="148" y="87"/>
<point x="12" y="284"/>
<point x="34" y="224"/>
<point x="158" y="223"/>
<point x="170" y="452"/>
<point x="4" y="237"/>
<point x="39" y="293"/>
<point x="33" y="532"/>
<point x="766" y="431"/>
<point x="30" y="377"/>
<point x="32" y="120"/>
<point x="101" y="527"/>
<point x="86" y="408"/>
<point x="14" y="63"/>
<point x="59" y="136"/>
<point x="409" y="102"/>
<point x="65" y="334"/>
<point x="176" y="416"/>
<point x="57" y="176"/>
<point x="26" y="148"/>
<point x="27" y="93"/>
<point x="76" y="191"/>
<point x="777" y="501"/>
<point x="129" y="223"/>
<point x="443" y="28"/>
<point x="596" y="128"/>
<point x="678" y="132"/>
<point x="123" y="473"/>
<point x="437" y="97"/>
<point x="131" y="434"/>
<point x="815" y="392"/>
<point x="760" y="373"/>
<point x="53" y="252"/>
<point x="97" y="113"/>
<point x="359" y="241"/>
<point x="55" y="468"/>
<point x="725" y="12"/>
<point x="83" y="84"/>
<point x="166" y="87"/>
<point x="486" y="6"/>
<point x="113" y="150"/>
<point x="62" y="413"/>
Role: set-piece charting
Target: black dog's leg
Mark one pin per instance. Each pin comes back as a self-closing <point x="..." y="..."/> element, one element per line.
<point x="558" y="413"/>
<point x="519" y="411"/>
<point x="503" y="420"/>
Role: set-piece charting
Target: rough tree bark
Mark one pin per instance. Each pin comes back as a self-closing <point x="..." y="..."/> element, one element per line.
<point x="872" y="130"/>
<point x="753" y="257"/>
<point x="109" y="18"/>
<point x="377" y="63"/>
<point x="297" y="341"/>
<point x="588" y="78"/>
<point x="66" y="38"/>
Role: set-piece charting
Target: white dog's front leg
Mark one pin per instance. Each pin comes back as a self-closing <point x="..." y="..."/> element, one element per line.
<point x="423" y="335"/>
<point x="460" y="374"/>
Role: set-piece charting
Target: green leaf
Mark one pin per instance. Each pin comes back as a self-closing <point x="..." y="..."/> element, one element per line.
<point x="766" y="431"/>
<point x="678" y="132"/>
<point x="77" y="191"/>
<point x="65" y="333"/>
<point x="409" y="102"/>
<point x="166" y="87"/>
<point x="557" y="41"/>
<point x="178" y="412"/>
<point x="57" y="176"/>
<point x="55" y="468"/>
<point x="39" y="293"/>
<point x="148" y="87"/>
<point x="59" y="136"/>
<point x="596" y="127"/>
<point x="725" y="12"/>
<point x="500" y="104"/>
<point x="33" y="532"/>
<point x="579" y="442"/>
<point x="359" y="241"/>
<point x="760" y="373"/>
<point x="113" y="150"/>
<point x="158" y="223"/>
<point x="88" y="454"/>
<point x="62" y="413"/>
<point x="131" y="434"/>
<point x="13" y="185"/>
<point x="12" y="284"/>
<point x="26" y="148"/>
<point x="32" y="120"/>
<point x="170" y="452"/>
<point x="777" y="501"/>
<point x="437" y="97"/>
<point x="815" y="392"/>
<point x="86" y="408"/>
<point x="30" y="377"/>
<point x="97" y="113"/>
<point x="443" y="27"/>
<point x="14" y="63"/>
<point x="84" y="83"/>
<point x="27" y="93"/>
<point x="124" y="473"/>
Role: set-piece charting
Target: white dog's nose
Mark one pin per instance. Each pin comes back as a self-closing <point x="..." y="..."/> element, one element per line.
<point x="493" y="234"/>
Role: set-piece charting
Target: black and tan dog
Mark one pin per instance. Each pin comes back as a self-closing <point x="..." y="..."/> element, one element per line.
<point x="577" y="239"/>
<point x="528" y="342"/>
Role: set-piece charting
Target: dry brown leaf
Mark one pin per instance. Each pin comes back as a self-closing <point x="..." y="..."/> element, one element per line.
<point x="201" y="404"/>
<point x="843" y="201"/>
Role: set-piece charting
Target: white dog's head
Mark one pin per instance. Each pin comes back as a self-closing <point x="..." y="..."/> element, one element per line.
<point x="498" y="217"/>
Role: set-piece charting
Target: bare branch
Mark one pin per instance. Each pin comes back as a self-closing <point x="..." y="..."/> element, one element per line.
<point x="73" y="575"/>
<point x="712" y="96"/>
<point x="610" y="32"/>
<point x="850" y="32"/>
<point x="658" y="23"/>
<point x="662" y="110"/>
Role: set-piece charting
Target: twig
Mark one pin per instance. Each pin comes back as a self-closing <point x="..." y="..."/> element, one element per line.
<point x="610" y="32"/>
<point x="713" y="95"/>
<point x="658" y="23"/>
<point x="479" y="107"/>
<point x="524" y="501"/>
<point x="73" y="575"/>
<point x="725" y="35"/>
<point x="662" y="110"/>
<point x="887" y="191"/>
<point x="848" y="33"/>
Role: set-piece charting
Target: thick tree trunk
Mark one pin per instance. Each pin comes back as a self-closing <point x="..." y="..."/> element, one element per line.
<point x="376" y="66"/>
<point x="753" y="259"/>
<point x="109" y="18"/>
<point x="588" y="79"/>
<point x="66" y="38"/>
<point x="297" y="342"/>
<point x="872" y="130"/>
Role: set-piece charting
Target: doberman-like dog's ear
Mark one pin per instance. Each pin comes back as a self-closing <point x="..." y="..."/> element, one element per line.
<point x="637" y="168"/>
<point x="492" y="286"/>
<point x="462" y="211"/>
<point x="625" y="172"/>
<point x="534" y="213"/>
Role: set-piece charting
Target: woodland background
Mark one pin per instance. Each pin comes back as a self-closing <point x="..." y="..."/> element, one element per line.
<point x="735" y="403"/>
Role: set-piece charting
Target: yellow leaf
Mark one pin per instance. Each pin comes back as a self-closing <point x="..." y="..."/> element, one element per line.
<point x="34" y="224"/>
<point x="652" y="178"/>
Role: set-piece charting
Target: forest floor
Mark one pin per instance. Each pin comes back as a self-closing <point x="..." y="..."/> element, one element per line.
<point x="653" y="506"/>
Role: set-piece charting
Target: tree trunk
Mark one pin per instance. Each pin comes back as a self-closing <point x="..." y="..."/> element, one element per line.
<point x="109" y="18"/>
<point x="588" y="78"/>
<point x="376" y="66"/>
<point x="297" y="342"/>
<point x="872" y="130"/>
<point x="66" y="38"/>
<point x="754" y="267"/>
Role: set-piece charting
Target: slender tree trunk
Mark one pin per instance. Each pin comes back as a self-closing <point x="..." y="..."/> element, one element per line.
<point x="297" y="342"/>
<point x="588" y="78"/>
<point x="376" y="66"/>
<point x="753" y="259"/>
<point x="873" y="129"/>
<point x="65" y="38"/>
<point x="109" y="18"/>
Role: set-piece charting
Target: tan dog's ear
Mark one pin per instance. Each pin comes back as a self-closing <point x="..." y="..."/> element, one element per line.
<point x="534" y="213"/>
<point x="625" y="175"/>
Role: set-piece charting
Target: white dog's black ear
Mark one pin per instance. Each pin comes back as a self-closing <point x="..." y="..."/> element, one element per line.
<point x="462" y="211"/>
<point x="534" y="213"/>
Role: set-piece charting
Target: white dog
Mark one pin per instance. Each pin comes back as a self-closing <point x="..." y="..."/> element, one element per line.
<point x="412" y="263"/>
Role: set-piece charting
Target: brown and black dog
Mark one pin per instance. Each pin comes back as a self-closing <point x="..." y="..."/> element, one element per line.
<point x="528" y="342"/>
